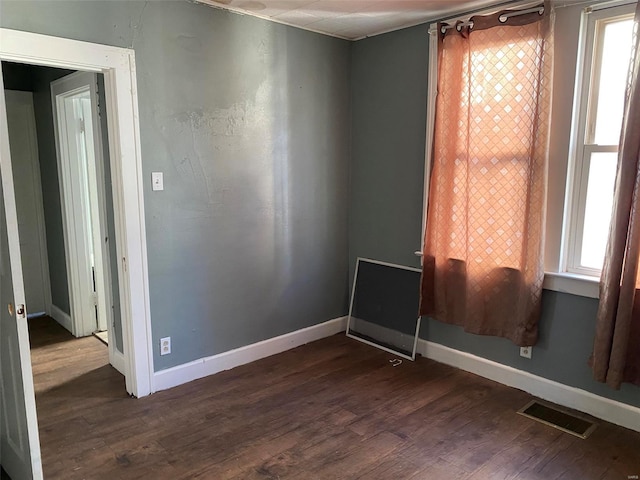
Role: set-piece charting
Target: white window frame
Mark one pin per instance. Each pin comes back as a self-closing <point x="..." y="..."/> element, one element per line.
<point x="583" y="125"/>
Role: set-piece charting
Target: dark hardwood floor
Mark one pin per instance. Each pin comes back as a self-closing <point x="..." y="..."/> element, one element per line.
<point x="333" y="409"/>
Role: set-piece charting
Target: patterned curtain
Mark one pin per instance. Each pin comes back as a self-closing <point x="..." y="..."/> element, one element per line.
<point x="616" y="352"/>
<point x="482" y="264"/>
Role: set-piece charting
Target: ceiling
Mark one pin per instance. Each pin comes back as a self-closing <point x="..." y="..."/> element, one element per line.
<point x="349" y="19"/>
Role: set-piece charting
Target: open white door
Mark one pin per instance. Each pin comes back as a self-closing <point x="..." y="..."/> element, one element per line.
<point x="19" y="440"/>
<point x="26" y="172"/>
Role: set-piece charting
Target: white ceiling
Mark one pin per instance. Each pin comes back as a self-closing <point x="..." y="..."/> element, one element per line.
<point x="349" y="19"/>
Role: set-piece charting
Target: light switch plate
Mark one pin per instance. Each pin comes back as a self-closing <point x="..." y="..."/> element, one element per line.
<point x="157" y="181"/>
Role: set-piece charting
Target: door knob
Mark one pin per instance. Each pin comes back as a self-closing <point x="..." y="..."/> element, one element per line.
<point x="10" y="308"/>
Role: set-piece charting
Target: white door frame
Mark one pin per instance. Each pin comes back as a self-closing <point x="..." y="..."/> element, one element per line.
<point x="118" y="67"/>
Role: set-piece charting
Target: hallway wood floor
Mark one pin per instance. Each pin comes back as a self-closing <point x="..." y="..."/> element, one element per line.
<point x="333" y="409"/>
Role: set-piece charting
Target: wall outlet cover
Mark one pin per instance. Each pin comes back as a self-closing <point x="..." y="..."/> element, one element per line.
<point x="525" y="352"/>
<point x="165" y="346"/>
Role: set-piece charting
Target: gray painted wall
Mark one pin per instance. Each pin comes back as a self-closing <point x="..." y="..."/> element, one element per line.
<point x="389" y="86"/>
<point x="389" y="101"/>
<point x="51" y="187"/>
<point x="18" y="76"/>
<point x="249" y="121"/>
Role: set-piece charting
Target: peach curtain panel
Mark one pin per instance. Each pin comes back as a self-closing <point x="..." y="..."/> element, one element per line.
<point x="616" y="353"/>
<point x="483" y="251"/>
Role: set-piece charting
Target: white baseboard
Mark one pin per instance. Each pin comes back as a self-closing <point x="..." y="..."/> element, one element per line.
<point x="610" y="410"/>
<point x="61" y="317"/>
<point x="203" y="367"/>
<point x="604" y="408"/>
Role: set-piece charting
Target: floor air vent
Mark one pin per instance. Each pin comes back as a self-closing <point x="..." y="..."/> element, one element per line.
<point x="557" y="419"/>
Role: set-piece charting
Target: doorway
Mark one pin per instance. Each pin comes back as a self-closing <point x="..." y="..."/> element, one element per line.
<point x="121" y="106"/>
<point x="19" y="431"/>
<point x="58" y="138"/>
<point x="80" y="124"/>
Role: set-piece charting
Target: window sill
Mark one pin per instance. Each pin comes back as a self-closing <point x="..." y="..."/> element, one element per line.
<point x="573" y="283"/>
<point x="582" y="285"/>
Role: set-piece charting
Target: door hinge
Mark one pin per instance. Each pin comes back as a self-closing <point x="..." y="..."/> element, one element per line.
<point x="98" y="105"/>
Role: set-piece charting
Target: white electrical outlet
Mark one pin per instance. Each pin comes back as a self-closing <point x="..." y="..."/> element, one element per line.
<point x="165" y="346"/>
<point x="525" y="352"/>
<point x="157" y="181"/>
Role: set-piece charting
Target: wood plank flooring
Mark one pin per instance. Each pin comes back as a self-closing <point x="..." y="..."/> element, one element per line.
<point x="333" y="409"/>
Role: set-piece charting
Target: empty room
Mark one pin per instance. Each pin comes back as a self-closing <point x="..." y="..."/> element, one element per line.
<point x="320" y="239"/>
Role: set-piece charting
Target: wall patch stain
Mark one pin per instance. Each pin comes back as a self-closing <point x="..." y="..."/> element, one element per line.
<point x="211" y="148"/>
<point x="230" y="121"/>
<point x="189" y="43"/>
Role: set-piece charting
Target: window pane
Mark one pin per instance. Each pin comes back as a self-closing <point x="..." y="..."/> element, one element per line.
<point x="616" y="53"/>
<point x="597" y="216"/>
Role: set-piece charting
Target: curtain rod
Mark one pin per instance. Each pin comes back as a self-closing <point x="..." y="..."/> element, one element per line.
<point x="503" y="18"/>
<point x="531" y="5"/>
<point x="555" y="5"/>
<point x="487" y="10"/>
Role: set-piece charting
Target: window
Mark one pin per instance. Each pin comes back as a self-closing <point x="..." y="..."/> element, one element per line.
<point x="592" y="52"/>
<point x="601" y="84"/>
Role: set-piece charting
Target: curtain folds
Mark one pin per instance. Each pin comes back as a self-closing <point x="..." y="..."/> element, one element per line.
<point x="616" y="352"/>
<point x="482" y="264"/>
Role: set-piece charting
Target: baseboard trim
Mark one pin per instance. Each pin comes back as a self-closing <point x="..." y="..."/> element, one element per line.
<point x="61" y="317"/>
<point x="604" y="408"/>
<point x="204" y="367"/>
